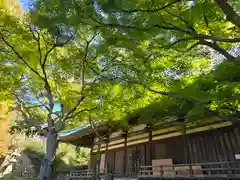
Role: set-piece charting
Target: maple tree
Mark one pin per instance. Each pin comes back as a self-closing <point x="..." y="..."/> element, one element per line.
<point x="118" y="58"/>
<point x="179" y="49"/>
<point x="165" y="46"/>
<point x="54" y="85"/>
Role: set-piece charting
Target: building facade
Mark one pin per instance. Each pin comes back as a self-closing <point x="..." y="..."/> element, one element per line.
<point x="124" y="153"/>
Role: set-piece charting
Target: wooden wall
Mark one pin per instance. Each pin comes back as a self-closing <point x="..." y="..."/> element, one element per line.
<point x="170" y="148"/>
<point x="217" y="145"/>
<point x="119" y="162"/>
<point x="206" y="146"/>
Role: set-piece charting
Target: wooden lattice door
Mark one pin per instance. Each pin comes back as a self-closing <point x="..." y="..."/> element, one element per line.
<point x="136" y="158"/>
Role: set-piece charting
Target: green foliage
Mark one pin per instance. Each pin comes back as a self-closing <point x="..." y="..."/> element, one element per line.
<point x="73" y="155"/>
<point x="67" y="154"/>
<point x="34" y="145"/>
<point x="166" y="46"/>
<point x="13" y="177"/>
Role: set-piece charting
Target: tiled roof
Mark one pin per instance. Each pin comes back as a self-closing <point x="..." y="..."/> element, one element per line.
<point x="71" y="131"/>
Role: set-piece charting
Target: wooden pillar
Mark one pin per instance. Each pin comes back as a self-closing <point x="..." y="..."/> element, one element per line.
<point x="106" y="167"/>
<point x="93" y="162"/>
<point x="98" y="162"/>
<point x="91" y="158"/>
<point x="150" y="145"/>
<point x="125" y="154"/>
<point x="106" y="154"/>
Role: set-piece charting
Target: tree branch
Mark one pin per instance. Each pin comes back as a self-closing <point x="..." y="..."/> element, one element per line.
<point x="206" y="21"/>
<point x="219" y="49"/>
<point x="188" y="25"/>
<point x="35" y="106"/>
<point x="50" y="96"/>
<point x="37" y="38"/>
<point x="149" y="10"/>
<point x="24" y="110"/>
<point x="42" y="64"/>
<point x="193" y="33"/>
<point x="176" y="42"/>
<point x="231" y="15"/>
<point x="83" y="80"/>
<point x="176" y="96"/>
<point x="220" y="39"/>
<point x="19" y="56"/>
<point x="42" y="102"/>
<point x="56" y="44"/>
<point x="79" y="112"/>
<point x="191" y="100"/>
<point x="141" y="28"/>
<point x="188" y="49"/>
<point x="202" y="38"/>
<point x="94" y="128"/>
<point x="74" y="108"/>
<point x="84" y="61"/>
<point x="29" y="105"/>
<point x="45" y="79"/>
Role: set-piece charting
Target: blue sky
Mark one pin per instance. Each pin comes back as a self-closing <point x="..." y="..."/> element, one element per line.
<point x="56" y="107"/>
<point x="25" y="3"/>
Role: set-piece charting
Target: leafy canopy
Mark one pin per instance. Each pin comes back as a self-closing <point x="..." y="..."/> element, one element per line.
<point x="174" y="58"/>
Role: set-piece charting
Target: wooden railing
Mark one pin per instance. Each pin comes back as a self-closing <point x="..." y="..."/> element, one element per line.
<point x="222" y="170"/>
<point x="76" y="174"/>
<point x="88" y="174"/>
<point x="216" y="170"/>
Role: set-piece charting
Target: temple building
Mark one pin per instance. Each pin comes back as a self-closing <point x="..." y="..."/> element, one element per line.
<point x="193" y="151"/>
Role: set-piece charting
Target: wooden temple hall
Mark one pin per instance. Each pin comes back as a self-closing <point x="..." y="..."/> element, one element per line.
<point x="209" y="151"/>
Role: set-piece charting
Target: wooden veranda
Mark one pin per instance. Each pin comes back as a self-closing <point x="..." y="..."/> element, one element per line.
<point x="208" y="171"/>
<point x="216" y="170"/>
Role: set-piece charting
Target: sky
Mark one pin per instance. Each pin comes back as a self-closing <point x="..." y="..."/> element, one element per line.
<point x="56" y="107"/>
<point x="25" y="3"/>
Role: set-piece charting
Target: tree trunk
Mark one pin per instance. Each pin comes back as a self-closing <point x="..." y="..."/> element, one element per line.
<point x="47" y="164"/>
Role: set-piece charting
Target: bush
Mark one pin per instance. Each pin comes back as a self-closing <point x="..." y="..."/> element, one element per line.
<point x="14" y="177"/>
<point x="33" y="152"/>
